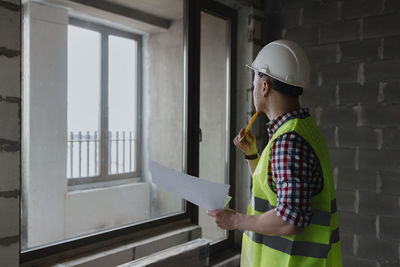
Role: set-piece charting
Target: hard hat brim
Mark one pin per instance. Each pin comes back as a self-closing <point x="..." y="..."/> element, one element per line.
<point x="251" y="67"/>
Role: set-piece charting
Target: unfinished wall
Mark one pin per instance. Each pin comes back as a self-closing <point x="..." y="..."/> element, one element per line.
<point x="10" y="139"/>
<point x="355" y="97"/>
<point x="44" y="109"/>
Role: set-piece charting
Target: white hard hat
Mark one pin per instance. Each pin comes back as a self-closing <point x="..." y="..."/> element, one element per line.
<point x="285" y="61"/>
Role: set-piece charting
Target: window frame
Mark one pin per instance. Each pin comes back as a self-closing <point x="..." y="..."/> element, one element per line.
<point x="104" y="167"/>
<point x="194" y="20"/>
<point x="72" y="247"/>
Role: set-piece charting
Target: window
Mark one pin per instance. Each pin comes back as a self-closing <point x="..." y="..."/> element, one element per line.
<point x="94" y="112"/>
<point x="90" y="124"/>
<point x="103" y="67"/>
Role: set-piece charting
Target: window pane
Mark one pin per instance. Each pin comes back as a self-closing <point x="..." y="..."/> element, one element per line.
<point x="213" y="116"/>
<point x="122" y="105"/>
<point x="83" y="102"/>
<point x="163" y="102"/>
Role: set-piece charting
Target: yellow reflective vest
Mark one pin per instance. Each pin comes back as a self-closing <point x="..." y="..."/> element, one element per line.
<point x="319" y="244"/>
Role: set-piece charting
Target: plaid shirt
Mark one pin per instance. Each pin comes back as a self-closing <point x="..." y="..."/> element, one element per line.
<point x="294" y="172"/>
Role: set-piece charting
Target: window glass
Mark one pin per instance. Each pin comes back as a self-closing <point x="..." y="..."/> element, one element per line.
<point x="122" y="104"/>
<point x="213" y="116"/>
<point x="83" y="102"/>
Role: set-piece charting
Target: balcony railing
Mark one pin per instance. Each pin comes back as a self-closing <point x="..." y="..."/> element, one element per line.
<point x="84" y="153"/>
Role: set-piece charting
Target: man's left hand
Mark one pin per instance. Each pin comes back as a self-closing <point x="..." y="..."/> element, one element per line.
<point x="226" y="219"/>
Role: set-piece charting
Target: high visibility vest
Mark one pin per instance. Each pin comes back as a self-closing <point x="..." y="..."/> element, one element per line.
<point x="319" y="244"/>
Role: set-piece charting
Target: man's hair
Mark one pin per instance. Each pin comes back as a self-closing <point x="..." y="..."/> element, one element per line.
<point x="284" y="88"/>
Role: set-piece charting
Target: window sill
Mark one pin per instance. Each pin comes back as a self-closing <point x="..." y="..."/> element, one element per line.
<point x="105" y="184"/>
<point x="138" y="246"/>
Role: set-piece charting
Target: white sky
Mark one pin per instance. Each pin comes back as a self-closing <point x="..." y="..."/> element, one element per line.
<point x="84" y="81"/>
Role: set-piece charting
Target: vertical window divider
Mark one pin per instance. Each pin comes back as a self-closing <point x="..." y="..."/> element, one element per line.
<point x="137" y="142"/>
<point x="104" y="169"/>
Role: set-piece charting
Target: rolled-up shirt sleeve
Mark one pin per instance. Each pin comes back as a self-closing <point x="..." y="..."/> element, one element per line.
<point x="295" y="170"/>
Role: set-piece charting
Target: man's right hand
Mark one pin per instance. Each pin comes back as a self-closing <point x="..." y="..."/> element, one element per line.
<point x="248" y="144"/>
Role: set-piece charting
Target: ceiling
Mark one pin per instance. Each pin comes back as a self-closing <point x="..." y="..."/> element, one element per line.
<point x="138" y="16"/>
<point x="167" y="9"/>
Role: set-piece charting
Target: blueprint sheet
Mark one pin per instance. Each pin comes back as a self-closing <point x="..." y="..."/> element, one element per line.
<point x="203" y="193"/>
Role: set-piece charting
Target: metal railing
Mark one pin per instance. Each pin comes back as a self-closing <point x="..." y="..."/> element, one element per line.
<point x="84" y="153"/>
<point x="121" y="150"/>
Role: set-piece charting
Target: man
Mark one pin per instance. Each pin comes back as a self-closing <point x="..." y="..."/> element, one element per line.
<point x="291" y="219"/>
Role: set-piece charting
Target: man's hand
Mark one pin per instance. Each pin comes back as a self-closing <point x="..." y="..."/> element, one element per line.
<point x="226" y="219"/>
<point x="247" y="144"/>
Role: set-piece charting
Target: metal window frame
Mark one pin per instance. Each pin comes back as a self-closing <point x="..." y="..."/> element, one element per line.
<point x="195" y="7"/>
<point x="105" y="32"/>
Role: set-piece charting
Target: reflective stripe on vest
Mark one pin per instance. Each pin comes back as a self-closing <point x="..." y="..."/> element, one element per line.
<point x="295" y="248"/>
<point x="318" y="216"/>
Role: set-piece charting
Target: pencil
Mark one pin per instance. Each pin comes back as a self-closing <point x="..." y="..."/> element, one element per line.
<point x="249" y="125"/>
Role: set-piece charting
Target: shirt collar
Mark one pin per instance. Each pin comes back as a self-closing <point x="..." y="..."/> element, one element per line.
<point x="273" y="125"/>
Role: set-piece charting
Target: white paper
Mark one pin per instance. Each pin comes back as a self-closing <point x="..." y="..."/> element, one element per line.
<point x="203" y="193"/>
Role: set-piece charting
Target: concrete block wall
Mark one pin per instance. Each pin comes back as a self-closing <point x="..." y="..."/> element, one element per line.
<point x="355" y="97"/>
<point x="10" y="140"/>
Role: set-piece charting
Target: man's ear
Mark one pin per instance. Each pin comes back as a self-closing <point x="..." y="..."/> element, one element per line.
<point x="266" y="87"/>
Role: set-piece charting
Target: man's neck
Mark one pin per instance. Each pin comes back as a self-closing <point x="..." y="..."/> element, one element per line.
<point x="282" y="106"/>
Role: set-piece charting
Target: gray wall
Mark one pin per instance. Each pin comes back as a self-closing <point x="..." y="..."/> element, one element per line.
<point x="355" y="97"/>
<point x="10" y="140"/>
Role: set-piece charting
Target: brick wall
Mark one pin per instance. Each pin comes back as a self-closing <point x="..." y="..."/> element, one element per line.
<point x="355" y="97"/>
<point x="10" y="125"/>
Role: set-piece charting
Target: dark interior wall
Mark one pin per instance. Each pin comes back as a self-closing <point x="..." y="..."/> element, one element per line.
<point x="353" y="46"/>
